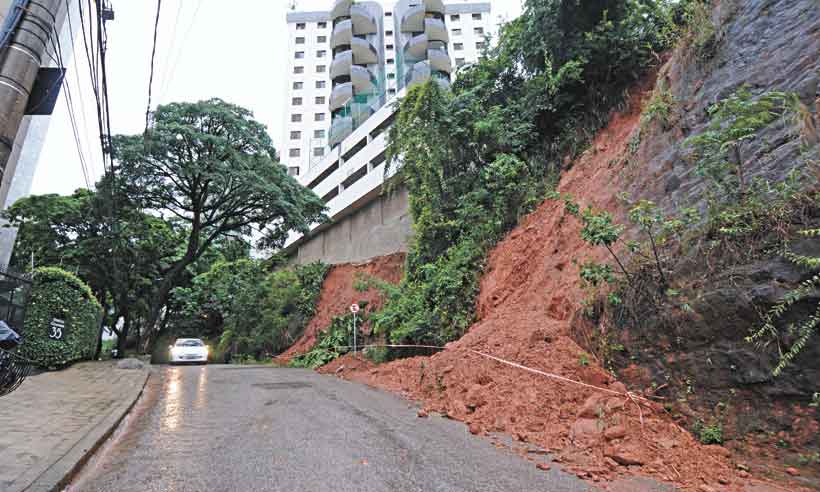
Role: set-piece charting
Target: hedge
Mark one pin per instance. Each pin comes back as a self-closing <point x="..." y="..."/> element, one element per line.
<point x="62" y="319"/>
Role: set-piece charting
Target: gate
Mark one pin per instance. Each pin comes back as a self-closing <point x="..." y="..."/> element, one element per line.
<point x="14" y="291"/>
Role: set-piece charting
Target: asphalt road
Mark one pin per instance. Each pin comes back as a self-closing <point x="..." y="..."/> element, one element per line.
<point x="240" y="428"/>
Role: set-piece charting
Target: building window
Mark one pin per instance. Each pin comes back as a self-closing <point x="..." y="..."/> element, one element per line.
<point x="458" y="46"/>
<point x="321" y="54"/>
<point x="479" y="45"/>
<point x="321" y="84"/>
<point x="318" y="151"/>
<point x="294" y="153"/>
<point x="391" y="76"/>
<point x="295" y="118"/>
<point x="295" y="135"/>
<point x="318" y="134"/>
<point x="319" y="117"/>
<point x="321" y="39"/>
<point x="321" y="68"/>
<point x="456" y="32"/>
<point x="300" y="55"/>
<point x="390" y="61"/>
<point x="476" y="16"/>
<point x="322" y="25"/>
<point x="300" y="26"/>
<point x="478" y="30"/>
<point x="293" y="171"/>
<point x="455" y="17"/>
<point x="460" y="62"/>
<point x="389" y="47"/>
<point x="296" y="101"/>
<point x="388" y="14"/>
<point x="320" y="99"/>
<point x="300" y="40"/>
<point x="388" y="33"/>
<point x="298" y="85"/>
<point x="391" y="92"/>
<point x="298" y="70"/>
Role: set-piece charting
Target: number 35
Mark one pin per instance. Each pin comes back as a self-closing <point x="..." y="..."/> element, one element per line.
<point x="56" y="333"/>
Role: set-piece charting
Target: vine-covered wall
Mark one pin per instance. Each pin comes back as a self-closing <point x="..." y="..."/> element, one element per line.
<point x="62" y="319"/>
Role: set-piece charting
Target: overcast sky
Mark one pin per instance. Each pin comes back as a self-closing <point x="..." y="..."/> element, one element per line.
<point x="234" y="50"/>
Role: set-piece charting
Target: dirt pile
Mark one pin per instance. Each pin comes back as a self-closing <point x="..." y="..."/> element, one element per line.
<point x="339" y="292"/>
<point x="529" y="295"/>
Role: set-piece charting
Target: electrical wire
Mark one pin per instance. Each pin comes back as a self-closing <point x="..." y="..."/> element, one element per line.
<point x="151" y="72"/>
<point x="166" y="83"/>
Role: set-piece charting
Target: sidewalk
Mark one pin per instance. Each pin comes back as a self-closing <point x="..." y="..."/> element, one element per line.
<point x="53" y="421"/>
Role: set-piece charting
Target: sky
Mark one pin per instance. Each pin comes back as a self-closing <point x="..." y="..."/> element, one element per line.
<point x="234" y="50"/>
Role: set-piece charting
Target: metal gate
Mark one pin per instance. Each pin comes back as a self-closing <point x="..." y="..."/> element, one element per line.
<point x="14" y="291"/>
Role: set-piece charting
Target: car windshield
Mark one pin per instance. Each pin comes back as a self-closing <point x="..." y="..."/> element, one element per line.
<point x="189" y="343"/>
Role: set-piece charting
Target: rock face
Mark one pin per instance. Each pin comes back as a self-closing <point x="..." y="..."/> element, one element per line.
<point x="704" y="359"/>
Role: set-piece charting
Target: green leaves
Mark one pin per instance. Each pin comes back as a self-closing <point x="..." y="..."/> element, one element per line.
<point x="58" y="294"/>
<point x="599" y="228"/>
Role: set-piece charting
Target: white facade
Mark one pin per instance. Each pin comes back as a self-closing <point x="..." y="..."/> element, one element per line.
<point x="308" y="118"/>
<point x="348" y="175"/>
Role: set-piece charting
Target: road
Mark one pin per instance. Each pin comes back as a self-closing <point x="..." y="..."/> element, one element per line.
<point x="248" y="428"/>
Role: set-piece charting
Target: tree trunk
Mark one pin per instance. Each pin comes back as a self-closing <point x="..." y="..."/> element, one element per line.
<point x="122" y="339"/>
<point x="98" y="348"/>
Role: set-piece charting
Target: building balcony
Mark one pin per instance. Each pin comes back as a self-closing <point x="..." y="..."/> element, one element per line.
<point x="342" y="34"/>
<point x="413" y="19"/>
<point x="363" y="21"/>
<point x="364" y="53"/>
<point x="436" y="30"/>
<point x="340" y="128"/>
<point x="416" y="48"/>
<point x="436" y="6"/>
<point x="363" y="80"/>
<point x="341" y="63"/>
<point x="341" y="8"/>
<point x="418" y="74"/>
<point x="440" y="60"/>
<point x="340" y="95"/>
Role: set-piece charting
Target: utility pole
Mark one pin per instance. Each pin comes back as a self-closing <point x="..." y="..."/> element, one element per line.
<point x="20" y="61"/>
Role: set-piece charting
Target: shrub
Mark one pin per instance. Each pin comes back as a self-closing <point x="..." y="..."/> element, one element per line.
<point x="331" y="344"/>
<point x="60" y="295"/>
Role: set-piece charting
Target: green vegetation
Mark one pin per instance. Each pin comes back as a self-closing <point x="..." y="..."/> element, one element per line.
<point x="186" y="196"/>
<point x="60" y="295"/>
<point x="660" y="108"/>
<point x="330" y="344"/>
<point x="708" y="434"/>
<point x="477" y="158"/>
<point x="253" y="313"/>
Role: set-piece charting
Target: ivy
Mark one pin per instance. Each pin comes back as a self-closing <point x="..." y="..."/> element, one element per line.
<point x="57" y="294"/>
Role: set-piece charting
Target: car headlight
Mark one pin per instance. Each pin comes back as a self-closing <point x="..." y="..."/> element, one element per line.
<point x="174" y="350"/>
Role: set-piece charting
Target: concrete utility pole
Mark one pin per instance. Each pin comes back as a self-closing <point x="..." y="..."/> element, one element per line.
<point x="20" y="61"/>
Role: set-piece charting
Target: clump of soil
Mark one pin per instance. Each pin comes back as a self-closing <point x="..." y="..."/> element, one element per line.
<point x="339" y="292"/>
<point x="529" y="295"/>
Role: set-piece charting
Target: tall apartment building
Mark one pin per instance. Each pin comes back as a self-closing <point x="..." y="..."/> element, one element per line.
<point x="347" y="65"/>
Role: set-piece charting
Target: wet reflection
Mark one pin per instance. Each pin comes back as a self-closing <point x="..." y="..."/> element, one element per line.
<point x="173" y="401"/>
<point x="200" y="387"/>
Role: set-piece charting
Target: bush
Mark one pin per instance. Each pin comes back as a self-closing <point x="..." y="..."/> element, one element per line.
<point x="60" y="295"/>
<point x="331" y="344"/>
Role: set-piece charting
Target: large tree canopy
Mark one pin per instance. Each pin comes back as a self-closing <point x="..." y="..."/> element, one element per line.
<point x="213" y="167"/>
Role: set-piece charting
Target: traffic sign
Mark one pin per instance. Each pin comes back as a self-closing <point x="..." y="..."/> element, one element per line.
<point x="354" y="308"/>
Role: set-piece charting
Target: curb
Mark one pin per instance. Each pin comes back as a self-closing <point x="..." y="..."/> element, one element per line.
<point x="57" y="475"/>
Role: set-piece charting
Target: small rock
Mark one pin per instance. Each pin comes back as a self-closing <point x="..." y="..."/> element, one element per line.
<point x="342" y="368"/>
<point x="592" y="408"/>
<point x="624" y="455"/>
<point x="422" y="413"/>
<point x="618" y="386"/>
<point x="792" y="471"/>
<point x="130" y="364"/>
<point x="723" y="481"/>
<point x="543" y="466"/>
<point x="612" y="464"/>
<point x="706" y="488"/>
<point x="743" y="474"/>
<point x="475" y="429"/>
<point x="741" y="466"/>
<point x="584" y="432"/>
<point x="615" y="432"/>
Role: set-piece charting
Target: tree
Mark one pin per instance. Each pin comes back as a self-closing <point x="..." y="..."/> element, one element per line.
<point x="72" y="233"/>
<point x="213" y="168"/>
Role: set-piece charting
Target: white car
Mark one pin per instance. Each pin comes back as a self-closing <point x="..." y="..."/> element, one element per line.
<point x="191" y="350"/>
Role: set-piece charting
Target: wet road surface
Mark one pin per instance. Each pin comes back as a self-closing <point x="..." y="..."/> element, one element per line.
<point x="247" y="428"/>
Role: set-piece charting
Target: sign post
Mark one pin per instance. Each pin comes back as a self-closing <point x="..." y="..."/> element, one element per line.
<point x="354" y="308"/>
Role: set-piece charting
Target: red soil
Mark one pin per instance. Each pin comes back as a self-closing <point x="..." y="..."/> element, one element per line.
<point x="529" y="295"/>
<point x="338" y="293"/>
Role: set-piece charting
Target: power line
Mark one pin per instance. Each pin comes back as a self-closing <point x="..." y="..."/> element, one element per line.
<point x="151" y="74"/>
<point x="166" y="83"/>
<point x="171" y="46"/>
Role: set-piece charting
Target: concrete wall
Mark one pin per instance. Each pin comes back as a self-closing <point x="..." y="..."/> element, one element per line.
<point x="381" y="227"/>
